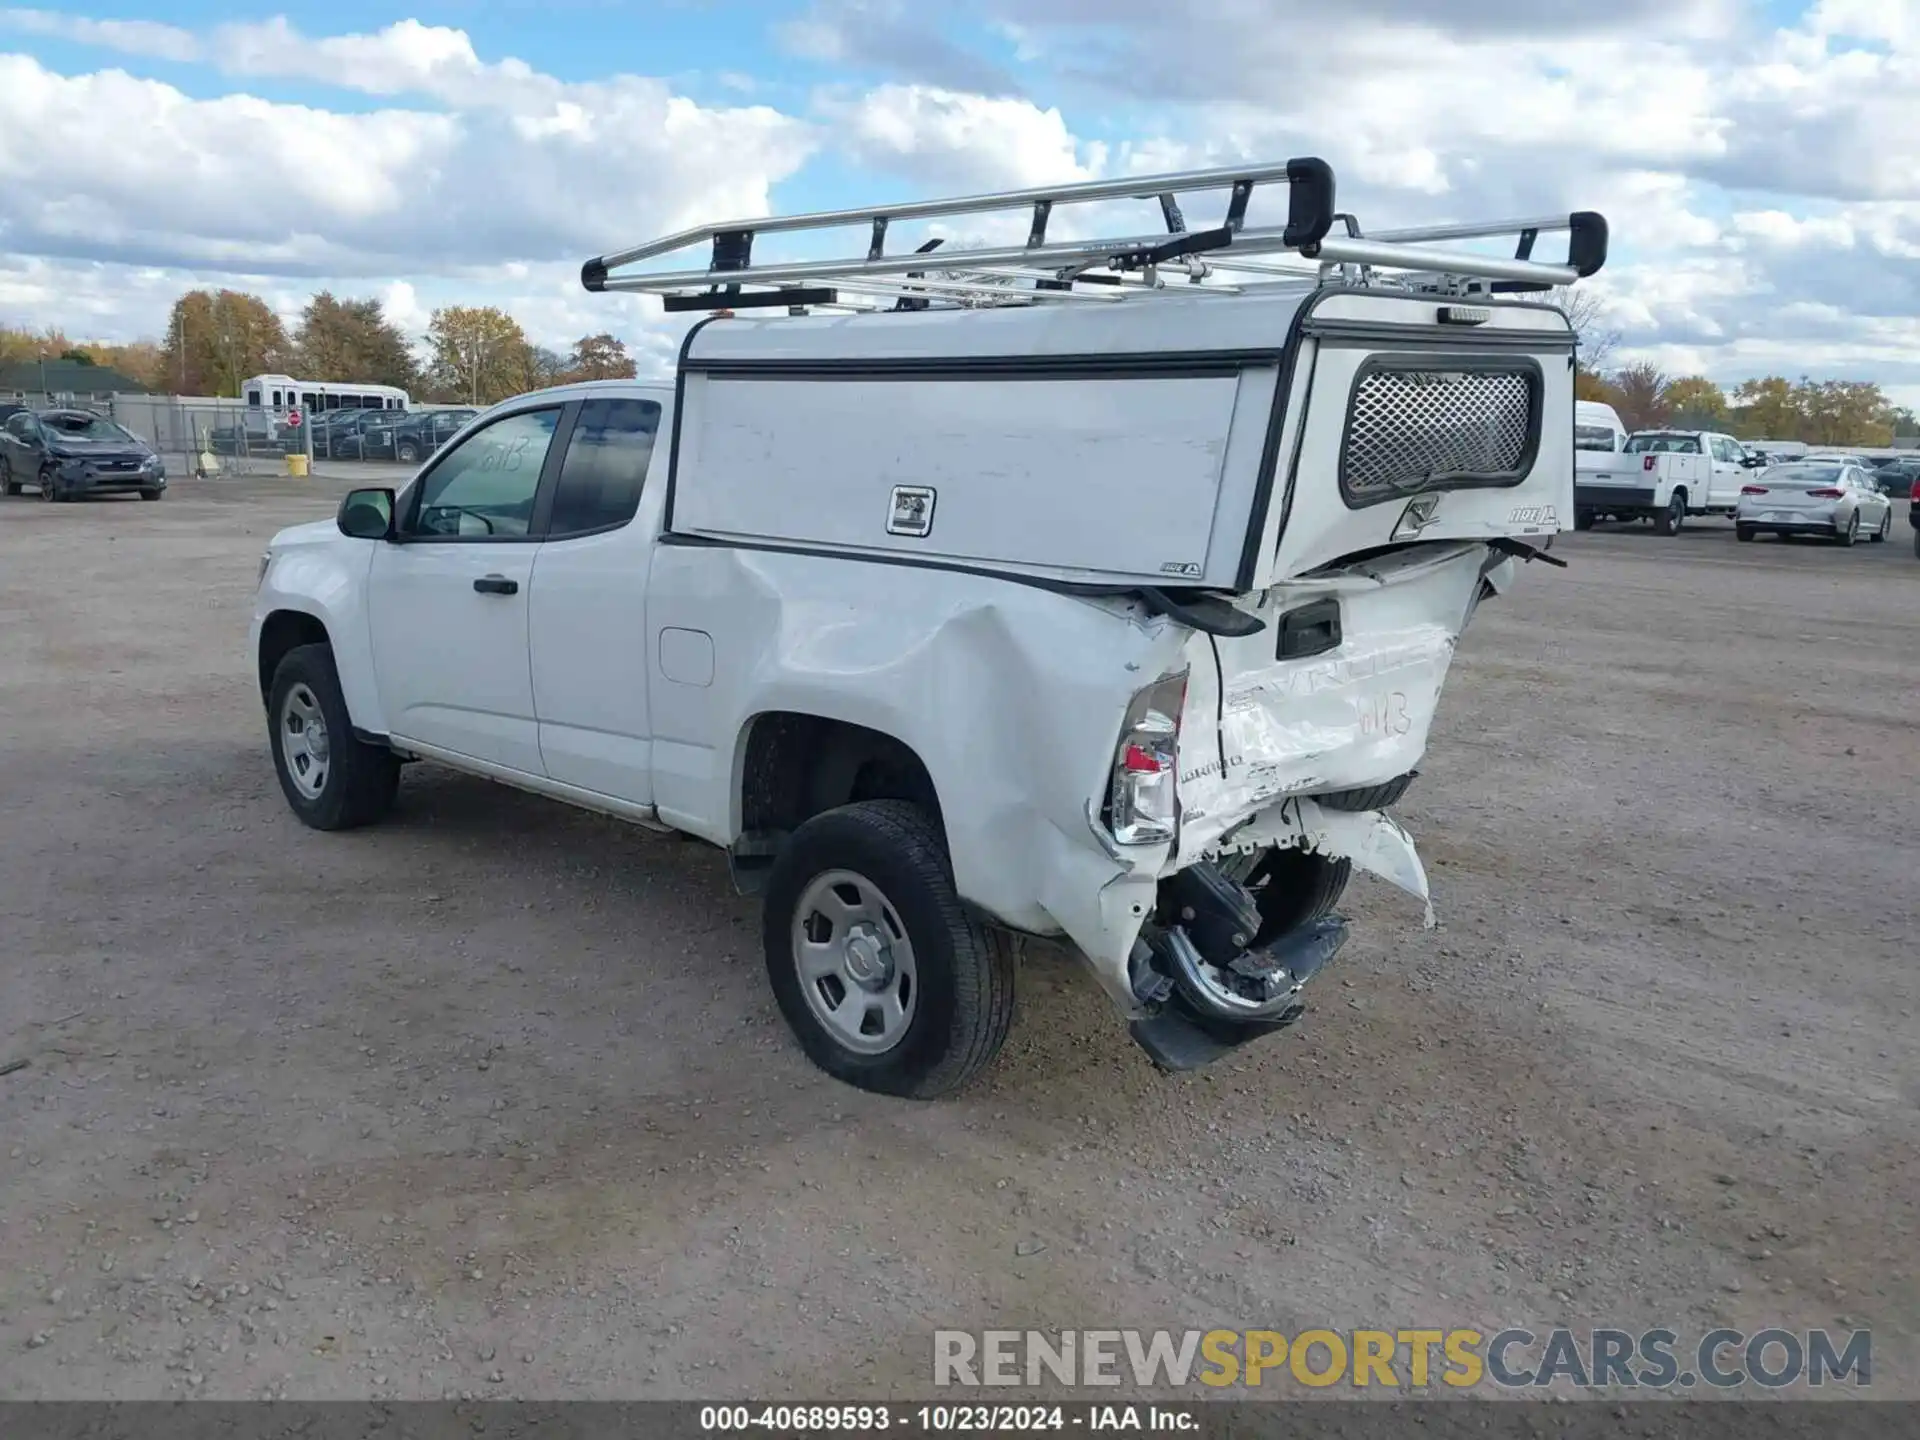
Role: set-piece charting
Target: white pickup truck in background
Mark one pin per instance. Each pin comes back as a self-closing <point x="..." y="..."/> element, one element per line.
<point x="1110" y="612"/>
<point x="1663" y="476"/>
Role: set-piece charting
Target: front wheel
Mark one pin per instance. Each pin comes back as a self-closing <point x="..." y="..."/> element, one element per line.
<point x="49" y="487"/>
<point x="331" y="778"/>
<point x="407" y="453"/>
<point x="8" y="484"/>
<point x="151" y="494"/>
<point x="883" y="977"/>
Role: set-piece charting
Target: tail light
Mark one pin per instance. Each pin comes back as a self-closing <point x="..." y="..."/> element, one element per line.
<point x="1826" y="494"/>
<point x="1753" y="489"/>
<point x="1915" y="496"/>
<point x="1143" y="801"/>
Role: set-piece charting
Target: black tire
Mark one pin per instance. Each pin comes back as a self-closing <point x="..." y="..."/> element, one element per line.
<point x="1743" y="533"/>
<point x="1368" y="797"/>
<point x="8" y="484"/>
<point x="1293" y="886"/>
<point x="1851" y="535"/>
<point x="1879" y="537"/>
<point x="1583" y="519"/>
<point x="1669" y="520"/>
<point x="406" y="452"/>
<point x="151" y="494"/>
<point x="361" y="779"/>
<point x="1916" y="544"/>
<point x="963" y="971"/>
<point x="49" y="491"/>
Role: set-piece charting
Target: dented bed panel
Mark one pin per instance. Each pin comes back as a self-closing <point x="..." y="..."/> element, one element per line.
<point x="1011" y="695"/>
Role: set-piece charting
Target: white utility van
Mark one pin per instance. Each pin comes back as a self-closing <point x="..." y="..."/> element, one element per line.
<point x="1101" y="590"/>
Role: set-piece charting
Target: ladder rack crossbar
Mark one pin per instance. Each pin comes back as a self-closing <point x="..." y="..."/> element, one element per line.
<point x="1144" y="187"/>
<point x="1115" y="265"/>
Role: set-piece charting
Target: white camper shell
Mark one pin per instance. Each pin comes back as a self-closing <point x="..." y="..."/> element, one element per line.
<point x="1103" y="591"/>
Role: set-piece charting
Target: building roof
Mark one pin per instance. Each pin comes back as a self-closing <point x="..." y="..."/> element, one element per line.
<point x="59" y="377"/>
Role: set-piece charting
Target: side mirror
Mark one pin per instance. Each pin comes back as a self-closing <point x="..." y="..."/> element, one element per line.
<point x="367" y="514"/>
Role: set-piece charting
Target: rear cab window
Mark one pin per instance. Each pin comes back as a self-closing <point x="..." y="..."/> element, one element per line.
<point x="605" y="466"/>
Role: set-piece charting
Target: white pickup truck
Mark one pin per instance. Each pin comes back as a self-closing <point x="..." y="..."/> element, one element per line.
<point x="1663" y="476"/>
<point x="1115" y="613"/>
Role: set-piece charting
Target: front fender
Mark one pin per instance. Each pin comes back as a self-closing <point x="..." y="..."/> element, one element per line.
<point x="328" y="582"/>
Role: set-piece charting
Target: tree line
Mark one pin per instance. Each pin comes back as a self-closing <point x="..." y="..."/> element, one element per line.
<point x="479" y="354"/>
<point x="1817" y="412"/>
<point x="215" y="339"/>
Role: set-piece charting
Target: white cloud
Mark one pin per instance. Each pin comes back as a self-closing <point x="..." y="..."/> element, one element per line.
<point x="133" y="37"/>
<point x="511" y="164"/>
<point x="967" y="142"/>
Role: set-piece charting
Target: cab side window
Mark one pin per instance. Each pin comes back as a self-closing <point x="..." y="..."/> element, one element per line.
<point x="605" y="466"/>
<point x="484" y="488"/>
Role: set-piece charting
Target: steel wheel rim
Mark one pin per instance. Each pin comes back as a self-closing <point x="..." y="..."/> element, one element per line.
<point x="854" y="962"/>
<point x="305" y="746"/>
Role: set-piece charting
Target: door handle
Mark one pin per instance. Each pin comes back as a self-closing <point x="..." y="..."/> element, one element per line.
<point x="496" y="585"/>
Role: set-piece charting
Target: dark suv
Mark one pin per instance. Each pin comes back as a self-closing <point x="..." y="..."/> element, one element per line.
<point x="70" y="454"/>
<point x="425" y="431"/>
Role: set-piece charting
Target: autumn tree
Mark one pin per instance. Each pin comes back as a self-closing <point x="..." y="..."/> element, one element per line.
<point x="1640" y="396"/>
<point x="1589" y="386"/>
<point x="1695" y="403"/>
<point x="1597" y="340"/>
<point x="600" y="357"/>
<point x="142" y="361"/>
<point x="20" y="346"/>
<point x="480" y="354"/>
<point x="352" y="340"/>
<point x="217" y="338"/>
<point x="1818" y="412"/>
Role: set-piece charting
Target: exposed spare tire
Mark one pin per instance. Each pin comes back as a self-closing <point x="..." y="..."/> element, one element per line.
<point x="1368" y="797"/>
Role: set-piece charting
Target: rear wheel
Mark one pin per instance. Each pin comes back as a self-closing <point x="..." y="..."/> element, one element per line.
<point x="882" y="975"/>
<point x="8" y="484"/>
<point x="407" y="452"/>
<point x="331" y="778"/>
<point x="1669" y="520"/>
<point x="1583" y="519"/>
<point x="1851" y="535"/>
<point x="1743" y="533"/>
<point x="1879" y="537"/>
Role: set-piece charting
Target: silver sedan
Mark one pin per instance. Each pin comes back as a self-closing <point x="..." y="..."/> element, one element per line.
<point x="1833" y="499"/>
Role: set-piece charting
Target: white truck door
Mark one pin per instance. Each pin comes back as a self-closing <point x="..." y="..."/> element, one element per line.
<point x="448" y="604"/>
<point x="1728" y="472"/>
<point x="588" y="620"/>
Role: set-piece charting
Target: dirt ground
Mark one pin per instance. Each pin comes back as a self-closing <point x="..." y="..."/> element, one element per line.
<point x="493" y="1100"/>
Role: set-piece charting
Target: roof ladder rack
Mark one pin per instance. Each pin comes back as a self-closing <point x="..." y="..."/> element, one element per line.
<point x="1102" y="267"/>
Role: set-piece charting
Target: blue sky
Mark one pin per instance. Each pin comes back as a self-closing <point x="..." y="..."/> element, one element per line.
<point x="1754" y="156"/>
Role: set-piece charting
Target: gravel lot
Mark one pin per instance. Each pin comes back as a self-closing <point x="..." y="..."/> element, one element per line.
<point x="493" y="1099"/>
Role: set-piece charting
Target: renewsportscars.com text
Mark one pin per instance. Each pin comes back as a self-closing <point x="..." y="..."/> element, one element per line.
<point x="1420" y="1359"/>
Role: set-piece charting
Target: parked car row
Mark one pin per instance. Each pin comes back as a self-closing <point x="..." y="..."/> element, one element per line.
<point x="1670" y="475"/>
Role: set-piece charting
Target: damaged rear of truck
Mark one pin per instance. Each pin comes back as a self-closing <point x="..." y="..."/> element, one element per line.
<point x="1103" y="591"/>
